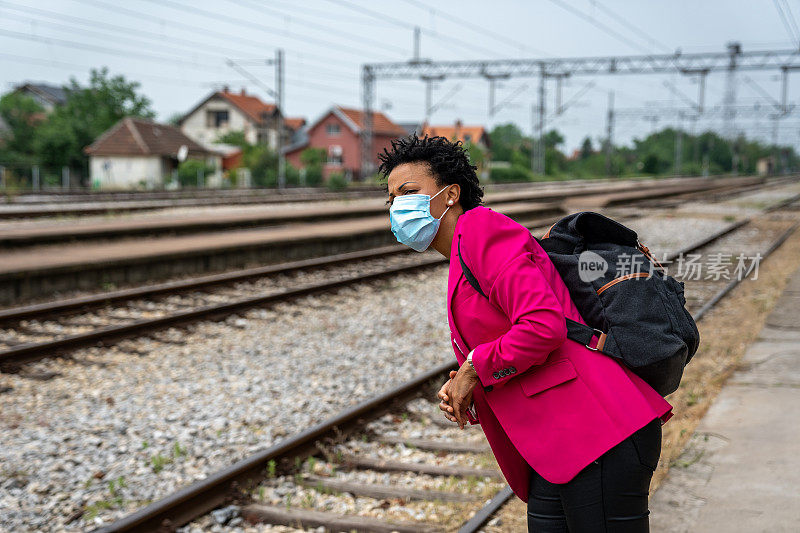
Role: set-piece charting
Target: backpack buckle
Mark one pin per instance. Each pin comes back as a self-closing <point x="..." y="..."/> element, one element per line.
<point x="601" y="340"/>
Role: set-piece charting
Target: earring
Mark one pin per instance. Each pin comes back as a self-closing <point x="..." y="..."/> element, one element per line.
<point x="450" y="202"/>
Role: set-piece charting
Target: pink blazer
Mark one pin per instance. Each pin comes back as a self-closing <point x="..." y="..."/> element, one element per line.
<point x="547" y="402"/>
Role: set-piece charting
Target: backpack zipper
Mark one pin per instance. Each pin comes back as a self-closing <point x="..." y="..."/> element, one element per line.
<point x="622" y="278"/>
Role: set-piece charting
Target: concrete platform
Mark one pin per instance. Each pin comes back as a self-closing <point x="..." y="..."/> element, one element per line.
<point x="740" y="471"/>
<point x="41" y="271"/>
<point x="209" y="219"/>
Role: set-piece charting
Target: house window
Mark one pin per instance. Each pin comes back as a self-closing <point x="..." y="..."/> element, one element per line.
<point x="335" y="155"/>
<point x="467" y="138"/>
<point x="216" y="119"/>
<point x="332" y="129"/>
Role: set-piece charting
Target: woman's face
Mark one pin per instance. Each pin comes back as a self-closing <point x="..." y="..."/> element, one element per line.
<point x="416" y="178"/>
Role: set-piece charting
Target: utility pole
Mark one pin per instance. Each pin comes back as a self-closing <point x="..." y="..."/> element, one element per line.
<point x="649" y="64"/>
<point x="281" y="122"/>
<point x="367" y="98"/>
<point x="609" y="132"/>
<point x="429" y="106"/>
<point x="277" y="94"/>
<point x="540" y="167"/>
<point x="734" y="49"/>
<point x="416" y="57"/>
<point x="678" y="145"/>
<point x="533" y="137"/>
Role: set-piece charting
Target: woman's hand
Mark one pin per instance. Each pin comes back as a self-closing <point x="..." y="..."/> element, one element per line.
<point x="460" y="392"/>
<point x="444" y="396"/>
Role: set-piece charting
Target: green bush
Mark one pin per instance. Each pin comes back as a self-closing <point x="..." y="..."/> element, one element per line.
<point x="336" y="181"/>
<point x="313" y="176"/>
<point x="189" y="169"/>
<point x="511" y="174"/>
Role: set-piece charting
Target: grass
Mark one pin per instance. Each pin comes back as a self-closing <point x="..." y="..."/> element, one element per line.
<point x="158" y="462"/>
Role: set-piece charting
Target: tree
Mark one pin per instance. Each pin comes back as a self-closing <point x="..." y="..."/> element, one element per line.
<point x="88" y="112"/>
<point x="313" y="159"/>
<point x="553" y="139"/>
<point x="586" y="148"/>
<point x="175" y="119"/>
<point x="505" y="139"/>
<point x="21" y="114"/>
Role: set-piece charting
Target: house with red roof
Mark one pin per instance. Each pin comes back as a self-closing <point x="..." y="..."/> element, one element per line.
<point x="459" y="132"/>
<point x="224" y="111"/>
<point x="140" y="153"/>
<point x="338" y="132"/>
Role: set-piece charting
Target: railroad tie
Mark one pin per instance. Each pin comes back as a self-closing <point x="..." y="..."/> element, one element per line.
<point x="382" y="465"/>
<point x="437" y="445"/>
<point x="268" y="514"/>
<point x="381" y="491"/>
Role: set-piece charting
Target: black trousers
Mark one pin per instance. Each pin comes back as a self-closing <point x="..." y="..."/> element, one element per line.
<point x="609" y="495"/>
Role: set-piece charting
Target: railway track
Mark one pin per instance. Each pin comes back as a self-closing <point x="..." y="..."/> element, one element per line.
<point x="343" y="461"/>
<point x="31" y="332"/>
<point x="44" y="330"/>
<point x="253" y="483"/>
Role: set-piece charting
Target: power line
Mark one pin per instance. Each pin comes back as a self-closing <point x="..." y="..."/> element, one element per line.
<point x="784" y="19"/>
<point x="172" y="23"/>
<point x="409" y="25"/>
<point x="263" y="8"/>
<point x="144" y="34"/>
<point x="597" y="23"/>
<point x="74" y="66"/>
<point x="103" y="49"/>
<point x="101" y="35"/>
<point x="259" y="26"/>
<point x="619" y="19"/>
<point x="160" y="37"/>
<point x="482" y="30"/>
<point x="127" y="53"/>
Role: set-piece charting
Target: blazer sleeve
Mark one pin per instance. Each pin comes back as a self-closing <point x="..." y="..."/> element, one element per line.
<point x="498" y="252"/>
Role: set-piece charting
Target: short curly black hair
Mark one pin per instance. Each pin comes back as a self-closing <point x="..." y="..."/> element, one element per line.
<point x="448" y="161"/>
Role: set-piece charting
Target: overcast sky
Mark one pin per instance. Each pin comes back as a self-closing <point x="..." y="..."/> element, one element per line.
<point x="177" y="50"/>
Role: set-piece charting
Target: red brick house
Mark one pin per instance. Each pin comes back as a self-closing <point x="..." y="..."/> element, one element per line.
<point x="338" y="131"/>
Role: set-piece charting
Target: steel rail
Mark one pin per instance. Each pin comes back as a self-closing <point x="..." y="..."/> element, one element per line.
<point x="32" y="351"/>
<point x="485" y="513"/>
<point x="202" y="496"/>
<point x="17" y="355"/>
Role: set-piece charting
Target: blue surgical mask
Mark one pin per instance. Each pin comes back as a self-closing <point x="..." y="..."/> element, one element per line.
<point x="412" y="222"/>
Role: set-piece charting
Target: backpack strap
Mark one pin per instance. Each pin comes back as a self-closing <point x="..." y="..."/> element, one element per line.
<point x="575" y="330"/>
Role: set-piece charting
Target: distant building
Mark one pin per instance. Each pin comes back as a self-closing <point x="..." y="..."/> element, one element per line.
<point x="139" y="153"/>
<point x="338" y="132"/>
<point x="47" y="96"/>
<point x="223" y="112"/>
<point x="765" y="166"/>
<point x="459" y="132"/>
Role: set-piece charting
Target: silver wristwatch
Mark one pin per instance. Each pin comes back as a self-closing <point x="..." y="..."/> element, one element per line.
<point x="469" y="360"/>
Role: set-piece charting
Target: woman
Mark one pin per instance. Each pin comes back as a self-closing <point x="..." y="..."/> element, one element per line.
<point x="577" y="434"/>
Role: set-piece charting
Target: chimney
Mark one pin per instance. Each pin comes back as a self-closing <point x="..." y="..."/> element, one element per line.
<point x="458" y="128"/>
<point x="225" y="88"/>
<point x="242" y="93"/>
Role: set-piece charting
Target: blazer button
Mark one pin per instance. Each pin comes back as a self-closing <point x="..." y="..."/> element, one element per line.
<point x="512" y="370"/>
<point x="506" y="372"/>
<point x="496" y="375"/>
<point x="488" y="388"/>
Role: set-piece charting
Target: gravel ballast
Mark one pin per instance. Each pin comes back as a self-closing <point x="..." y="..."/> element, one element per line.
<point x="114" y="430"/>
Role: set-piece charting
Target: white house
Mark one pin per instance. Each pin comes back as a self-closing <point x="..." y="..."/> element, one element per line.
<point x="223" y="111"/>
<point x="139" y="153"/>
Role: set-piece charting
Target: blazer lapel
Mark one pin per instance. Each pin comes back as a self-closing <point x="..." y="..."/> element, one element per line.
<point x="453" y="277"/>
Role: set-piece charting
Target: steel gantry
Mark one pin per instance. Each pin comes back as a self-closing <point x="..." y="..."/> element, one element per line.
<point x="695" y="64"/>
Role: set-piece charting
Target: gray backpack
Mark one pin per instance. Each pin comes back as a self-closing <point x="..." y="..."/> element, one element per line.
<point x="639" y="316"/>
